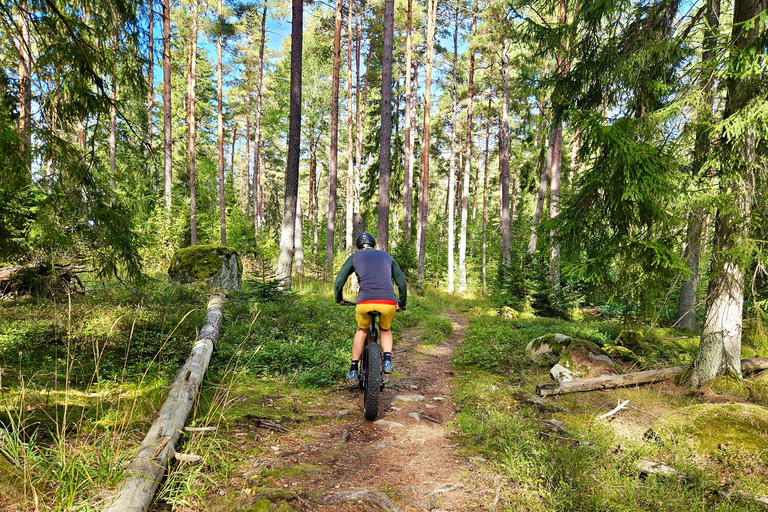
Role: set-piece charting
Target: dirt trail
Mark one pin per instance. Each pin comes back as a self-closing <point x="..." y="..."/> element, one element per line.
<point x="405" y="460"/>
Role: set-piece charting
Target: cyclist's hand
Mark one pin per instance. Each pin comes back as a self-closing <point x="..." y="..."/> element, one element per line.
<point x="341" y="302"/>
<point x="399" y="309"/>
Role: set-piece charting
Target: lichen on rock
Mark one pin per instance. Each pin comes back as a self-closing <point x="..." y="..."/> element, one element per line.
<point x="547" y="348"/>
<point x="582" y="360"/>
<point x="217" y="265"/>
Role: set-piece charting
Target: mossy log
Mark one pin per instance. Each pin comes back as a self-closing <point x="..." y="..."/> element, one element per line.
<point x="634" y="378"/>
<point x="146" y="470"/>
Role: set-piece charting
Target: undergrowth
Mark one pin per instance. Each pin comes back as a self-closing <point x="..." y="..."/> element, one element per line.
<point x="559" y="456"/>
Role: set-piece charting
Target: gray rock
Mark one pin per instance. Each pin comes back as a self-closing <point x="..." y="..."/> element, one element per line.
<point x="218" y="266"/>
<point x="581" y="360"/>
<point x="385" y="423"/>
<point x="409" y="398"/>
<point x="415" y="416"/>
<point x="547" y="348"/>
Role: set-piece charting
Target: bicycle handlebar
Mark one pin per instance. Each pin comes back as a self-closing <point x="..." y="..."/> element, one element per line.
<point x="348" y="303"/>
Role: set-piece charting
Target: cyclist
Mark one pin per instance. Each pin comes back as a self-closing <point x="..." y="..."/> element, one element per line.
<point x="375" y="271"/>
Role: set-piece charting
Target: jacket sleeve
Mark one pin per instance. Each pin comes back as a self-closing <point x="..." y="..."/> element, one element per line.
<point x="402" y="286"/>
<point x="341" y="279"/>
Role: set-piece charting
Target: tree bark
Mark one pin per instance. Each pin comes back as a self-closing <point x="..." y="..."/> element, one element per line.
<point x="408" y="143"/>
<point x="220" y="125"/>
<point x="554" y="207"/>
<point x="333" y="157"/>
<point x="192" y="120"/>
<point x="542" y="195"/>
<point x="258" y="207"/>
<point x="248" y="194"/>
<point x="467" y="164"/>
<point x="285" y="263"/>
<point x="312" y="208"/>
<point x="720" y="346"/>
<point x="450" y="200"/>
<point x="150" y="72"/>
<point x="424" y="185"/>
<point x="146" y="471"/>
<point x="350" y="209"/>
<point x="167" y="135"/>
<point x="382" y="235"/>
<point x="360" y="113"/>
<point x="485" y="192"/>
<point x="697" y="217"/>
<point x="504" y="154"/>
<point x="113" y="117"/>
<point x="298" y="240"/>
<point x="25" y="83"/>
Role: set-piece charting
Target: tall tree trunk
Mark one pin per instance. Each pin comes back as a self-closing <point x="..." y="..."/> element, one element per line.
<point x="333" y="157"/>
<point x="467" y="165"/>
<point x="312" y="208"/>
<point x="258" y="207"/>
<point x="113" y="118"/>
<point x="360" y="113"/>
<point x="298" y="240"/>
<point x="192" y="120"/>
<point x="248" y="141"/>
<point x="386" y="125"/>
<point x="25" y="83"/>
<point x="504" y="153"/>
<point x="408" y="143"/>
<point x="686" y="308"/>
<point x="542" y="195"/>
<point x="167" y="136"/>
<point x="485" y="191"/>
<point x="424" y="185"/>
<point x="285" y="263"/>
<point x="220" y="125"/>
<point x="554" y="207"/>
<point x="350" y="209"/>
<point x="237" y="186"/>
<point x="563" y="66"/>
<point x="150" y="73"/>
<point x="450" y="201"/>
<point x="720" y="346"/>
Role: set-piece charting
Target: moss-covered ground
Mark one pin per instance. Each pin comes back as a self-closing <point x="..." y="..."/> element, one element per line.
<point x="559" y="456"/>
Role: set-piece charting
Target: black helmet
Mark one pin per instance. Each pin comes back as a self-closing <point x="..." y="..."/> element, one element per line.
<point x="365" y="240"/>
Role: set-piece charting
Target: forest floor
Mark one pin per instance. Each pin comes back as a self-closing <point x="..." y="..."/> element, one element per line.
<point x="404" y="460"/>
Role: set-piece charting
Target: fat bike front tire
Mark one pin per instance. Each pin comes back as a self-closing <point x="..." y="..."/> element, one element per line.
<point x="372" y="381"/>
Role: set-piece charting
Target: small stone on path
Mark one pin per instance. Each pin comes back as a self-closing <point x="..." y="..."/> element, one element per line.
<point x="409" y="398"/>
<point x="415" y="416"/>
<point x="438" y="398"/>
<point x="385" y="423"/>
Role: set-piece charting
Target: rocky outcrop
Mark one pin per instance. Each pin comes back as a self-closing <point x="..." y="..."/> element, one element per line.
<point x="582" y="360"/>
<point x="218" y="266"/>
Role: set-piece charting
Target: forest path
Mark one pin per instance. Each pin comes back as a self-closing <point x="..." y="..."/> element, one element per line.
<point x="406" y="460"/>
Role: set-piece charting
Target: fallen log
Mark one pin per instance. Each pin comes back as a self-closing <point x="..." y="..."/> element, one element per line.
<point x="146" y="470"/>
<point x="634" y="378"/>
<point x="610" y="381"/>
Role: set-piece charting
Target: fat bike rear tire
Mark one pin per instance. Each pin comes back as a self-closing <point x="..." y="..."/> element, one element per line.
<point x="372" y="381"/>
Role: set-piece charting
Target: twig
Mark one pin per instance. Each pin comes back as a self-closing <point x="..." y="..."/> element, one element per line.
<point x="619" y="407"/>
<point x="199" y="429"/>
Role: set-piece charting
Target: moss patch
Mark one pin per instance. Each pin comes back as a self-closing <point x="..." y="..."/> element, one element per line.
<point x="630" y="339"/>
<point x="621" y="353"/>
<point x="202" y="261"/>
<point x="703" y="428"/>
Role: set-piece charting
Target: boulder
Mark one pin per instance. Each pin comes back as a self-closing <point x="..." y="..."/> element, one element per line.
<point x="218" y="266"/>
<point x="621" y="353"/>
<point x="547" y="348"/>
<point x="582" y="360"/>
<point x="631" y="339"/>
<point x="509" y="313"/>
<point x="704" y="428"/>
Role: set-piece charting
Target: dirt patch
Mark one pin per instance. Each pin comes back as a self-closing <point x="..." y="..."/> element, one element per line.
<point x="406" y="460"/>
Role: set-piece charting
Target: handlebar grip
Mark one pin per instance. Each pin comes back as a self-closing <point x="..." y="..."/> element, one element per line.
<point x="348" y="303"/>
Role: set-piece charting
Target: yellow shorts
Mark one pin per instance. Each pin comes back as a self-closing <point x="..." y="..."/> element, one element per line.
<point x="364" y="319"/>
